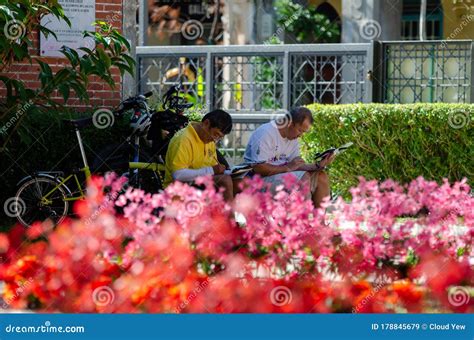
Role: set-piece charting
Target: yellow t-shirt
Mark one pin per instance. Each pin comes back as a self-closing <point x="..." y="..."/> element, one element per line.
<point x="187" y="151"/>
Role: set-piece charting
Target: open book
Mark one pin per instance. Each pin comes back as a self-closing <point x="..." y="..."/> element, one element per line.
<point x="321" y="155"/>
<point x="240" y="171"/>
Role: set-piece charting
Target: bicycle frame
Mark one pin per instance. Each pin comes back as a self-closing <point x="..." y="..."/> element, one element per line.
<point x="156" y="167"/>
<point x="135" y="163"/>
<point x="144" y="108"/>
<point x="63" y="181"/>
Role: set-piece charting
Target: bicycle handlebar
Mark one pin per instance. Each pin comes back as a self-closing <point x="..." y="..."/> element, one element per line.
<point x="130" y="102"/>
<point x="170" y="101"/>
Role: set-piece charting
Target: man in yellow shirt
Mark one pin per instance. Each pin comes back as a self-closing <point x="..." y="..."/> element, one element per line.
<point x="192" y="152"/>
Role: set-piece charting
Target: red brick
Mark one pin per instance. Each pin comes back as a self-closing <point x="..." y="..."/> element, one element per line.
<point x="99" y="92"/>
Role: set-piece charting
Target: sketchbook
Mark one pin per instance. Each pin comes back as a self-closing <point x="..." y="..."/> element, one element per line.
<point x="240" y="171"/>
<point x="321" y="155"/>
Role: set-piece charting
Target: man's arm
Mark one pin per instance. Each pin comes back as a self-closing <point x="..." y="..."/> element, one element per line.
<point x="187" y="175"/>
<point x="266" y="169"/>
<point x="318" y="166"/>
<point x="179" y="160"/>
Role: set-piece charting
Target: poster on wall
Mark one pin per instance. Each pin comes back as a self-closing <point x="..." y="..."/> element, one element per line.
<point x="81" y="13"/>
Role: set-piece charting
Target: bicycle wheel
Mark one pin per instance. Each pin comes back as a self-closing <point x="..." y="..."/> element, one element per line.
<point x="32" y="206"/>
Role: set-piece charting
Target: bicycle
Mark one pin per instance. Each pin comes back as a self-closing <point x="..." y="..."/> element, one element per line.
<point x="117" y="157"/>
<point x="47" y="194"/>
<point x="145" y="165"/>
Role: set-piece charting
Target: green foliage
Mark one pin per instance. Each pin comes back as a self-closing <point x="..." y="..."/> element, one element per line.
<point x="108" y="50"/>
<point x="400" y="142"/>
<point x="196" y="112"/>
<point x="306" y="23"/>
<point x="18" y="18"/>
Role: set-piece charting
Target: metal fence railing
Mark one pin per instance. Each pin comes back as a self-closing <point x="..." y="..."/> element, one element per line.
<point x="254" y="82"/>
<point x="428" y="71"/>
<point x="260" y="78"/>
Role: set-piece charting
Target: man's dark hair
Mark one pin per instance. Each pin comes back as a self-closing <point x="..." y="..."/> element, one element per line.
<point x="219" y="119"/>
<point x="300" y="114"/>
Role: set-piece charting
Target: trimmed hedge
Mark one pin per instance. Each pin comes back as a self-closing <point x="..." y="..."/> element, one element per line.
<point x="400" y="142"/>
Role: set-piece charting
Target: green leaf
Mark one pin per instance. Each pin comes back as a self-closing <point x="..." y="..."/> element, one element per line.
<point x="62" y="76"/>
<point x="87" y="50"/>
<point x="20" y="51"/>
<point x="71" y="55"/>
<point x="86" y="66"/>
<point x="46" y="32"/>
<point x="8" y="83"/>
<point x="46" y="73"/>
<point x="104" y="57"/>
<point x="80" y="90"/>
<point x="124" y="67"/>
<point x="123" y="41"/>
<point x="64" y="90"/>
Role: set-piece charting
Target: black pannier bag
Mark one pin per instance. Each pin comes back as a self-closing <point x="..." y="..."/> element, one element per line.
<point x="162" y="122"/>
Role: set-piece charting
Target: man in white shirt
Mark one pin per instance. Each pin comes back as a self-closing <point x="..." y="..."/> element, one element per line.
<point x="275" y="147"/>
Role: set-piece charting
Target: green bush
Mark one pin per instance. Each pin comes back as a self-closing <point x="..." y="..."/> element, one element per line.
<point x="400" y="142"/>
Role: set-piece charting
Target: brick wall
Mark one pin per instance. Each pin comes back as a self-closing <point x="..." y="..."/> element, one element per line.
<point x="101" y="95"/>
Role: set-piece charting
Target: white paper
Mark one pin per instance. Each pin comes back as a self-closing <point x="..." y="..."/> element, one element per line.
<point x="81" y="13"/>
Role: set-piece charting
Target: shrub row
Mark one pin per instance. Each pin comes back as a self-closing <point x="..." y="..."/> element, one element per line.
<point x="400" y="142"/>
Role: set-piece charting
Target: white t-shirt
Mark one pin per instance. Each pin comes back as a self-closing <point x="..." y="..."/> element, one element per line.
<point x="267" y="145"/>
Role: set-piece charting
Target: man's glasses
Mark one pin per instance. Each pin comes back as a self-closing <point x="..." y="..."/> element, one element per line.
<point x="217" y="136"/>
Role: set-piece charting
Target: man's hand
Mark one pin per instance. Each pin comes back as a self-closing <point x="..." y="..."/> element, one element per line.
<point x="218" y="169"/>
<point x="309" y="167"/>
<point x="295" y="164"/>
<point x="164" y="134"/>
<point x="327" y="160"/>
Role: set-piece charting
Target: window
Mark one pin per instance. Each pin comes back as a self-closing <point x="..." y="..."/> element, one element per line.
<point x="411" y="19"/>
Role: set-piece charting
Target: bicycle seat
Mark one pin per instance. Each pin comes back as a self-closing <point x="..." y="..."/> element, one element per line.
<point x="79" y="123"/>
